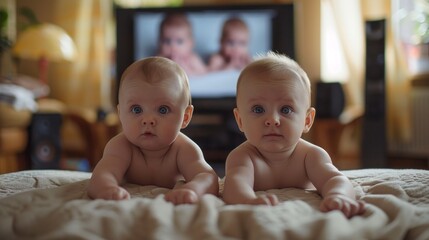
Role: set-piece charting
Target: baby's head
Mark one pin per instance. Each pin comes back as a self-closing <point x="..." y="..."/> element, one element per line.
<point x="235" y="37"/>
<point x="158" y="71"/>
<point x="273" y="103"/>
<point x="175" y="36"/>
<point x="275" y="68"/>
<point x="154" y="102"/>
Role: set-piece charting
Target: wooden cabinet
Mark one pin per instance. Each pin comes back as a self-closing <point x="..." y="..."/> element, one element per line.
<point x="13" y="144"/>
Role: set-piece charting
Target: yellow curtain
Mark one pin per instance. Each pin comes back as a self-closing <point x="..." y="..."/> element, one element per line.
<point x="350" y="17"/>
<point x="349" y="24"/>
<point x="87" y="81"/>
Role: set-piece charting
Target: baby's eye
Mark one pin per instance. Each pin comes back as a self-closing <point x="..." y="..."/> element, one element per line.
<point x="164" y="110"/>
<point x="286" y="110"/>
<point x="242" y="44"/>
<point x="258" y="109"/>
<point x="166" y="41"/>
<point x="180" y="41"/>
<point x="136" y="109"/>
<point x="230" y="43"/>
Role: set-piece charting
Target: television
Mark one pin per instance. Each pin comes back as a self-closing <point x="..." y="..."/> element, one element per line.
<point x="271" y="27"/>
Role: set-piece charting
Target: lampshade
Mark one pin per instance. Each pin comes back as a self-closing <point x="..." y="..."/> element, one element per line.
<point x="45" y="41"/>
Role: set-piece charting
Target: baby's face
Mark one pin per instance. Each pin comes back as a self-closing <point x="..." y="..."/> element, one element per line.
<point x="176" y="43"/>
<point x="272" y="115"/>
<point x="151" y="114"/>
<point x="235" y="44"/>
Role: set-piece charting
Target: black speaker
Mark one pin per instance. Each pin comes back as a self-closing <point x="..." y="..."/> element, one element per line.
<point x="374" y="122"/>
<point x="44" y="141"/>
<point x="329" y="99"/>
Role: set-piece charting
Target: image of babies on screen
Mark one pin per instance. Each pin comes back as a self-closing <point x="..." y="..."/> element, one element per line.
<point x="234" y="51"/>
<point x="176" y="42"/>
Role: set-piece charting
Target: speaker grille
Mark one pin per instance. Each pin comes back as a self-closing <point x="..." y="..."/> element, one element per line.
<point x="44" y="141"/>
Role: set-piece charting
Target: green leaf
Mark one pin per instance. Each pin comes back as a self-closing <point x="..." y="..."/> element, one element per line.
<point x="3" y="20"/>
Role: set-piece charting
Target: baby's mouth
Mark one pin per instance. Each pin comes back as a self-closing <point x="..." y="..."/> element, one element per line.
<point x="272" y="135"/>
<point x="148" y="134"/>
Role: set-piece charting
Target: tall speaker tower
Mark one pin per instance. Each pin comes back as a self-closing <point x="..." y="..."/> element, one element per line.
<point x="374" y="142"/>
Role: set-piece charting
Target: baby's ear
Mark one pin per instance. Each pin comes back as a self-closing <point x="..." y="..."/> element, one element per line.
<point x="238" y="118"/>
<point x="309" y="119"/>
<point x="187" y="115"/>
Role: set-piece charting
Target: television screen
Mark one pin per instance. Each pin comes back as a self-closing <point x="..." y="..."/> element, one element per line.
<point x="146" y="30"/>
<point x="270" y="28"/>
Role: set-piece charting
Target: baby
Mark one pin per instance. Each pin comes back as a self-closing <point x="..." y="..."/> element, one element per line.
<point x="176" y="43"/>
<point x="154" y="103"/>
<point x="273" y="110"/>
<point x="233" y="53"/>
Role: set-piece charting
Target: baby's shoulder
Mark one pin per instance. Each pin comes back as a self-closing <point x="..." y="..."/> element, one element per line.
<point x="119" y="140"/>
<point x="184" y="143"/>
<point x="306" y="146"/>
<point x="119" y="145"/>
<point x="244" y="151"/>
<point x="183" y="140"/>
<point x="312" y="151"/>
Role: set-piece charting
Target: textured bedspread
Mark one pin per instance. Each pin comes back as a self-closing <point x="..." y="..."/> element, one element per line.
<point x="54" y="205"/>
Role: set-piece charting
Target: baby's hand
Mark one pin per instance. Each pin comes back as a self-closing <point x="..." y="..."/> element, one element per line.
<point x="267" y="199"/>
<point x="115" y="193"/>
<point x="350" y="207"/>
<point x="181" y="196"/>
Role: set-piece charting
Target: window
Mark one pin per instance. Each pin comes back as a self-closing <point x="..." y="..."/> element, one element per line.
<point x="333" y="63"/>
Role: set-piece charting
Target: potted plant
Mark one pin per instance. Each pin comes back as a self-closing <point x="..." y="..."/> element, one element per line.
<point x="7" y="69"/>
<point x="414" y="30"/>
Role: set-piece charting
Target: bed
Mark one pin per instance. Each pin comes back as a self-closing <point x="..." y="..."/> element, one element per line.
<point x="52" y="204"/>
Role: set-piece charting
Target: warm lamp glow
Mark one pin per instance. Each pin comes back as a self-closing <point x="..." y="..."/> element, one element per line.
<point x="45" y="42"/>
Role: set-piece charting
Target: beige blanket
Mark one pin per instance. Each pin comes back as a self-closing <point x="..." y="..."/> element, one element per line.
<point x="57" y="207"/>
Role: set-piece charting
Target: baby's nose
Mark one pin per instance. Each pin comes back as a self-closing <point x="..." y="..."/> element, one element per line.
<point x="272" y="121"/>
<point x="149" y="121"/>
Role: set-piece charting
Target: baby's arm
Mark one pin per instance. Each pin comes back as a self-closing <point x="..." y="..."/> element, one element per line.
<point x="200" y="178"/>
<point x="192" y="191"/>
<point x="239" y="180"/>
<point x="338" y="194"/>
<point x="216" y="62"/>
<point x="336" y="189"/>
<point x="239" y="62"/>
<point x="197" y="64"/>
<point x="109" y="171"/>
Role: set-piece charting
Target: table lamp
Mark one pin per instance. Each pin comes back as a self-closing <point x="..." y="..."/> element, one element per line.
<point x="45" y="42"/>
